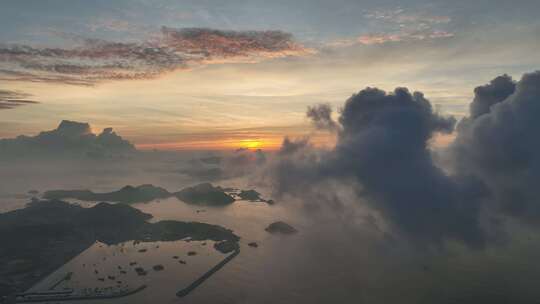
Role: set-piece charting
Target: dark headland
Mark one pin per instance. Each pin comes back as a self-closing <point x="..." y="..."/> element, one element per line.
<point x="46" y="234"/>
<point x="127" y="195"/>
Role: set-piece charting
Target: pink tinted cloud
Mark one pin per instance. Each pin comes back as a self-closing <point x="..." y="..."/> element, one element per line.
<point x="12" y="99"/>
<point x="95" y="60"/>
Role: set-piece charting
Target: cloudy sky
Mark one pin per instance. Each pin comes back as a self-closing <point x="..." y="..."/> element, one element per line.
<point x="226" y="74"/>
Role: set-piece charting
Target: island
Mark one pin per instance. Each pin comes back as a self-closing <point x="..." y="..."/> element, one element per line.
<point x="127" y="195"/>
<point x="250" y="195"/>
<point x="46" y="234"/>
<point x="205" y="194"/>
<point x="253" y="196"/>
<point x="280" y="227"/>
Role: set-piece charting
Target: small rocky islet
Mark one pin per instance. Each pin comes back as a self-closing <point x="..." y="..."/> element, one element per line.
<point x="250" y="195"/>
<point x="280" y="227"/>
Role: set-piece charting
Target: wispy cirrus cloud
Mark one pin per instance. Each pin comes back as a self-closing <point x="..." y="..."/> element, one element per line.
<point x="380" y="38"/>
<point x="95" y="60"/>
<point x="398" y="25"/>
<point x="401" y="16"/>
<point x="12" y="99"/>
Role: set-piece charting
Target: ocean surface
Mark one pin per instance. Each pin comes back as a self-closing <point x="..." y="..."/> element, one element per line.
<point x="325" y="262"/>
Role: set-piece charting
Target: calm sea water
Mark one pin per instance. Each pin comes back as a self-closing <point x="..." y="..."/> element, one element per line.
<point x="325" y="262"/>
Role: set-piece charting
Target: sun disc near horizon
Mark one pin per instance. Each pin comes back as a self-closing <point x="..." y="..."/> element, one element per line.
<point x="251" y="144"/>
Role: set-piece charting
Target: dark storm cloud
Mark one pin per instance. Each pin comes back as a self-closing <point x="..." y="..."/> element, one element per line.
<point x="382" y="149"/>
<point x="488" y="95"/>
<point x="499" y="143"/>
<point x="321" y="116"/>
<point x="70" y="139"/>
<point x="384" y="145"/>
<point x="96" y="60"/>
<point x="12" y="99"/>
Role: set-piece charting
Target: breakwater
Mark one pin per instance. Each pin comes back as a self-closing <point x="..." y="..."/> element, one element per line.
<point x="184" y="292"/>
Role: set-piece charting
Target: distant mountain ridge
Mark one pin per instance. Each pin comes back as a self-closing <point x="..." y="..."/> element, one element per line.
<point x="127" y="195"/>
<point x="204" y="194"/>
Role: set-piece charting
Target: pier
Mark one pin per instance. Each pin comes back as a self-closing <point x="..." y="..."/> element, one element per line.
<point x="184" y="292"/>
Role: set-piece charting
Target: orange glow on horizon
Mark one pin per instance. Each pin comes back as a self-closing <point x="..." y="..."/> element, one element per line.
<point x="267" y="143"/>
<point x="270" y="144"/>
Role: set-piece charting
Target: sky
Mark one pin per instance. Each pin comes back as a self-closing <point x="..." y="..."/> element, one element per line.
<point x="226" y="74"/>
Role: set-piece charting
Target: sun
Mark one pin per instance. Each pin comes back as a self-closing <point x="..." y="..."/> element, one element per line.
<point x="251" y="144"/>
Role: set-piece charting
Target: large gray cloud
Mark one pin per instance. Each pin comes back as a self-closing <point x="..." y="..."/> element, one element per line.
<point x="70" y="139"/>
<point x="499" y="143"/>
<point x="384" y="144"/>
<point x="95" y="60"/>
<point x="382" y="148"/>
